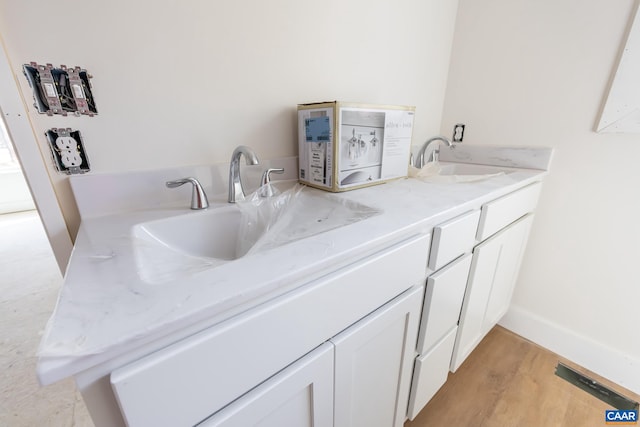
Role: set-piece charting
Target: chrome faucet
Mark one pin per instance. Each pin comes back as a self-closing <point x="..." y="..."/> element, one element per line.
<point x="434" y="157"/>
<point x="198" y="197"/>
<point x="236" y="192"/>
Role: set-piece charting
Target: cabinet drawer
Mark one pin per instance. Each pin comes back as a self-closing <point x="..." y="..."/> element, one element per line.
<point x="430" y="373"/>
<point x="442" y="302"/>
<point x="187" y="381"/>
<point x="503" y="211"/>
<point x="453" y="238"/>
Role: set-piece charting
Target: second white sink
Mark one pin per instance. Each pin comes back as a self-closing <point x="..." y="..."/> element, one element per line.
<point x="451" y="173"/>
<point x="470" y="169"/>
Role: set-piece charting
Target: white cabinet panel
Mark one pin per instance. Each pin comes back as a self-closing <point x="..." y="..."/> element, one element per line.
<point x="431" y="373"/>
<point x="453" y="238"/>
<point x="505" y="210"/>
<point x="373" y="364"/>
<point x="301" y="395"/>
<point x="443" y="302"/>
<point x="191" y="379"/>
<point x="483" y="267"/>
<point x="493" y="274"/>
<point x="513" y="246"/>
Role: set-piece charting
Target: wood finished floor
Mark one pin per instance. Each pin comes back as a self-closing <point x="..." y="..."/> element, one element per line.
<point x="509" y="381"/>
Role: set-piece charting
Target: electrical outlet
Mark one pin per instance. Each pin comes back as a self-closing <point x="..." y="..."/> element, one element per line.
<point x="65" y="143"/>
<point x="68" y="151"/>
<point x="458" y="132"/>
<point x="71" y="158"/>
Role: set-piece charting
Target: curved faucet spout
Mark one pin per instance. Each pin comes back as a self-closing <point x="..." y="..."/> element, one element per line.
<point x="419" y="162"/>
<point x="236" y="192"/>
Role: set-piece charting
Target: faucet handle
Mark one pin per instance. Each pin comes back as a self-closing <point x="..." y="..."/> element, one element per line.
<point x="198" y="196"/>
<point x="266" y="176"/>
<point x="265" y="182"/>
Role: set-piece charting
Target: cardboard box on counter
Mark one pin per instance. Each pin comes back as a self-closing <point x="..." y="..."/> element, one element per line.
<point x="343" y="146"/>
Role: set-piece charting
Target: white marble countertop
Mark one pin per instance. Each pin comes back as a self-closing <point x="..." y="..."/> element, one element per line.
<point x="105" y="308"/>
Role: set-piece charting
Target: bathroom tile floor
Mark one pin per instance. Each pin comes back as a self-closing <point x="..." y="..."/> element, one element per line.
<point x="29" y="284"/>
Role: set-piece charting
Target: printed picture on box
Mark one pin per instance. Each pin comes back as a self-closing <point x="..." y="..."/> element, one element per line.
<point x="317" y="134"/>
<point x="361" y="139"/>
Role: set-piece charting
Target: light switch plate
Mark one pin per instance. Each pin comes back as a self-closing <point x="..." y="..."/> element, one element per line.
<point x="60" y="91"/>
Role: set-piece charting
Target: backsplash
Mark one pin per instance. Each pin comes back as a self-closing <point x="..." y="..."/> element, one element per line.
<point x="112" y="193"/>
<point x="513" y="157"/>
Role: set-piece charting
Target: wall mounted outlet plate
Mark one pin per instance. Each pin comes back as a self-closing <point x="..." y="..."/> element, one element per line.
<point x="67" y="150"/>
<point x="458" y="132"/>
<point x="60" y="90"/>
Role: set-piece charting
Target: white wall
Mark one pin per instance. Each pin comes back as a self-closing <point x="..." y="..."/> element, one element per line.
<point x="535" y="73"/>
<point x="184" y="82"/>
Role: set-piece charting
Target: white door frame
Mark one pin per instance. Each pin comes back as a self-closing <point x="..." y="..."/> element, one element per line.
<point x="22" y="134"/>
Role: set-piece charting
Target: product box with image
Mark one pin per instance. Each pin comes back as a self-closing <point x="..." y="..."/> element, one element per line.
<point x="343" y="146"/>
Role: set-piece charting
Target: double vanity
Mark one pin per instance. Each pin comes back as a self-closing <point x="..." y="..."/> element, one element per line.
<point x="302" y="308"/>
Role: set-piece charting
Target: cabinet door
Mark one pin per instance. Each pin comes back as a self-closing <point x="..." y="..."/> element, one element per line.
<point x="506" y="274"/>
<point x="494" y="269"/>
<point x="300" y="395"/>
<point x="373" y="364"/>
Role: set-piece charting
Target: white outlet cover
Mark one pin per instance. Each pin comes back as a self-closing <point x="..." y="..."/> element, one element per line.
<point x="66" y="143"/>
<point x="71" y="158"/>
<point x="67" y="150"/>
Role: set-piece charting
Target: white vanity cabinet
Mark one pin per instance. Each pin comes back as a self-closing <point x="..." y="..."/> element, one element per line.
<point x="355" y="328"/>
<point x="370" y="362"/>
<point x="467" y="297"/>
<point x="493" y="274"/>
<point x="300" y="395"/>
<point x="495" y="266"/>
<point x="363" y="308"/>
<point x="445" y="289"/>
<point x="374" y="361"/>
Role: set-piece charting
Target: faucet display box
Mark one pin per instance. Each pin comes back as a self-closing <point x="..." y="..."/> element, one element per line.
<point x="343" y="146"/>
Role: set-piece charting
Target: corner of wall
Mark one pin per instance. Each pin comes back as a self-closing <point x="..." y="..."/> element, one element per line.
<point x="607" y="362"/>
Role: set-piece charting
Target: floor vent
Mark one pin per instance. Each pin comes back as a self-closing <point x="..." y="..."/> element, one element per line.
<point x="594" y="388"/>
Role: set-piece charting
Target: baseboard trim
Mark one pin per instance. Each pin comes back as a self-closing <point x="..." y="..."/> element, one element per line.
<point x="604" y="361"/>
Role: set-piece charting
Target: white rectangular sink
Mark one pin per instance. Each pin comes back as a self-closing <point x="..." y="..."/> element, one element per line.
<point x="447" y="173"/>
<point x="168" y="248"/>
<point x="209" y="234"/>
<point x="471" y="169"/>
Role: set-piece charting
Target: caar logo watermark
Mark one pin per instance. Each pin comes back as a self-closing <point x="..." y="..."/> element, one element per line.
<point x="621" y="417"/>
